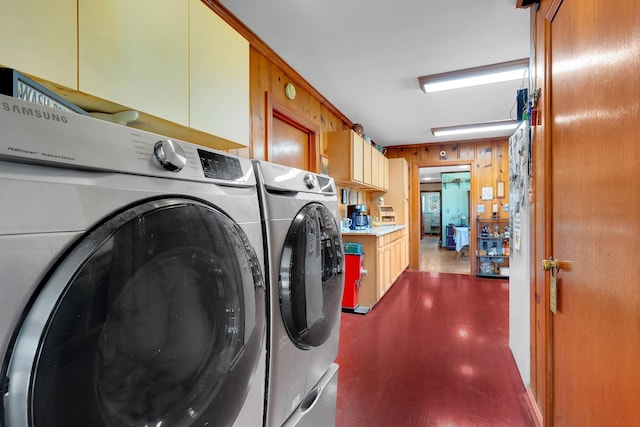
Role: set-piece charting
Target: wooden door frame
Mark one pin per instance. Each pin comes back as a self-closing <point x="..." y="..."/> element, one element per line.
<point x="415" y="202"/>
<point x="277" y="109"/>
<point x="541" y="327"/>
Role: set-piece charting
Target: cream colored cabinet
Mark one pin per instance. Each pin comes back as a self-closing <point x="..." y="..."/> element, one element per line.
<point x="40" y="38"/>
<point x="219" y="76"/>
<point x="178" y="63"/>
<point x="136" y="53"/>
<point x="354" y="162"/>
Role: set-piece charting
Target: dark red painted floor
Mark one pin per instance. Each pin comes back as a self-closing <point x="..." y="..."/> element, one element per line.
<point x="433" y="352"/>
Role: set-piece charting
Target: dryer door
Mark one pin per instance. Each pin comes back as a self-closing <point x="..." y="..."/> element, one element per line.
<point x="311" y="276"/>
<point x="155" y="318"/>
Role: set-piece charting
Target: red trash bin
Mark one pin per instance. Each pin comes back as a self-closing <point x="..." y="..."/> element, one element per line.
<point x="354" y="270"/>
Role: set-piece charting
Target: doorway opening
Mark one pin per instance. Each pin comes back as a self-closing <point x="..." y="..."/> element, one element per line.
<point x="444" y="210"/>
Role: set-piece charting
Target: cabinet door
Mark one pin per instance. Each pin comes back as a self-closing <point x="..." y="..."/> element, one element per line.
<point x="375" y="168"/>
<point x="40" y="38"/>
<point x="136" y="53"/>
<point x="219" y="76"/>
<point x="388" y="266"/>
<point x="366" y="163"/>
<point x="385" y="173"/>
<point x="357" y="158"/>
<point x="381" y="274"/>
<point x="405" y="180"/>
<point x="403" y="254"/>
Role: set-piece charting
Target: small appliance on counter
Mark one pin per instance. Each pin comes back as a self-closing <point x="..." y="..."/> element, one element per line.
<point x="359" y="218"/>
<point x="387" y="214"/>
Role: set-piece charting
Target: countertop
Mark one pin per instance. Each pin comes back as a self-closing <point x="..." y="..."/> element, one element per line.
<point x="374" y="231"/>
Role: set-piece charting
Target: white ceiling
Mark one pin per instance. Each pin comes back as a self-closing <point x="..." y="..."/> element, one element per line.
<point x="365" y="57"/>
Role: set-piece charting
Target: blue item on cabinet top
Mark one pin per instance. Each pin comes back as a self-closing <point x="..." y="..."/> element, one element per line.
<point x="352" y="248"/>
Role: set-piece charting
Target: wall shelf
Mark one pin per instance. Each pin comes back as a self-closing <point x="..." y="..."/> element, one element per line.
<point x="493" y="247"/>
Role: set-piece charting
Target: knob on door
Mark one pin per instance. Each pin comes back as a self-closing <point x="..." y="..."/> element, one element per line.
<point x="555" y="264"/>
<point x="550" y="264"/>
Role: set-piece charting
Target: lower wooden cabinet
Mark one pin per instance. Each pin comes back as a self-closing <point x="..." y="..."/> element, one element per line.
<point x="386" y="256"/>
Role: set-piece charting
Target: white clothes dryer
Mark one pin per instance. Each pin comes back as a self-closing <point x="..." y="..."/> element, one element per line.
<point x="132" y="289"/>
<point x="306" y="271"/>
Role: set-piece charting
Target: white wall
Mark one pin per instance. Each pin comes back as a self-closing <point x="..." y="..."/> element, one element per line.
<point x="519" y="262"/>
<point x="519" y="297"/>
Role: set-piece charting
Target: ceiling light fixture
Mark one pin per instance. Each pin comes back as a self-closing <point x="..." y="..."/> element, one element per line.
<point x="494" y="73"/>
<point x="501" y="125"/>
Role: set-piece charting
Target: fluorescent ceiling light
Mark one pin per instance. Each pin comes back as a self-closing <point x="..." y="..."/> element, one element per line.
<point x="494" y="73"/>
<point x="502" y="125"/>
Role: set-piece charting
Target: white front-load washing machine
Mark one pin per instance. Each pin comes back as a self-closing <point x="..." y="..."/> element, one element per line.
<point x="306" y="271"/>
<point x="132" y="290"/>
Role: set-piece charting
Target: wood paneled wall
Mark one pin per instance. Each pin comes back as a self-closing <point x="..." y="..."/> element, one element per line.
<point x="267" y="83"/>
<point x="489" y="161"/>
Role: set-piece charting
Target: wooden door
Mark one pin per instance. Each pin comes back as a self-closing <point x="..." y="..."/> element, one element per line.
<point x="289" y="145"/>
<point x="595" y="204"/>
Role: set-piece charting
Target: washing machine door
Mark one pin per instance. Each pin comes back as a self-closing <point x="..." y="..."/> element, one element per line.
<point x="311" y="276"/>
<point x="155" y="318"/>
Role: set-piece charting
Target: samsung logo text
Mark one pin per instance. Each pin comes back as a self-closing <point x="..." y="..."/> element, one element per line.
<point x="35" y="112"/>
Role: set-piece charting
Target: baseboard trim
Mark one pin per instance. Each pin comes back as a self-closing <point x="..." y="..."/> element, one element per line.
<point x="532" y="407"/>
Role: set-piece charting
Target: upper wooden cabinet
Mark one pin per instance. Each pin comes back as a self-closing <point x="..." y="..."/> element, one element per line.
<point x="40" y="38"/>
<point x="385" y="176"/>
<point x="354" y="162"/>
<point x="136" y="53"/>
<point x="345" y="151"/>
<point x="379" y="170"/>
<point x="219" y="76"/>
<point x="366" y="164"/>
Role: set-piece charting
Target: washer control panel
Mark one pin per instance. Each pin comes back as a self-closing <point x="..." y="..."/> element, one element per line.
<point x="37" y="134"/>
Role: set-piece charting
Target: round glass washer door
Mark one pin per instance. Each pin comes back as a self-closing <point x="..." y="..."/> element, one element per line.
<point x="311" y="276"/>
<point x="155" y="318"/>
